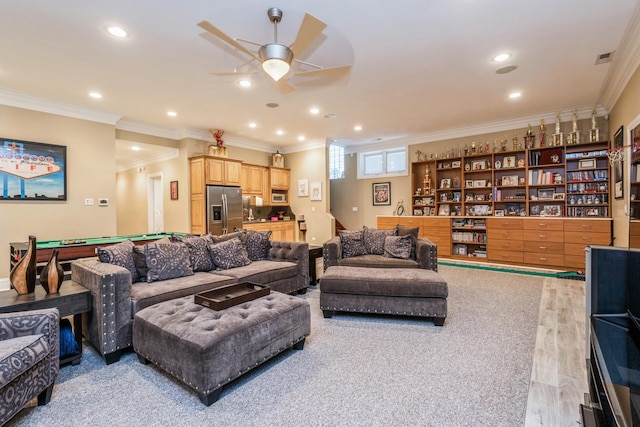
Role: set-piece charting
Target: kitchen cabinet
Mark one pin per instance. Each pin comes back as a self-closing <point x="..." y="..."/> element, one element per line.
<point x="280" y="230"/>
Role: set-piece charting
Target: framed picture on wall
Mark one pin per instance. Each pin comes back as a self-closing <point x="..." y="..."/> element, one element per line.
<point x="381" y="192"/>
<point x="173" y="185"/>
<point x="316" y="190"/>
<point x="32" y="171"/>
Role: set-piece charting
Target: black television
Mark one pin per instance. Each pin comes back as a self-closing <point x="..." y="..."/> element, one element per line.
<point x="633" y="287"/>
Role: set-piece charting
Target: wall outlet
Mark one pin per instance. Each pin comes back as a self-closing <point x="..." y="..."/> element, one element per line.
<point x="88" y="202"/>
<point x="313" y="208"/>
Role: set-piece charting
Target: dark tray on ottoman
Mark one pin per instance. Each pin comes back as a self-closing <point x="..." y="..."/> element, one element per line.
<point x="230" y="295"/>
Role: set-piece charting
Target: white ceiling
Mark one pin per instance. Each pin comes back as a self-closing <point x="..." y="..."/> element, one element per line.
<point x="420" y="68"/>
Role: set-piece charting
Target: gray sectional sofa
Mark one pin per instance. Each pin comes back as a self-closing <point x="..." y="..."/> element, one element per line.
<point x="117" y="295"/>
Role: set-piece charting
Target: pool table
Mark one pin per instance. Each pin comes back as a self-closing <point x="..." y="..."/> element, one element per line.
<point x="70" y="249"/>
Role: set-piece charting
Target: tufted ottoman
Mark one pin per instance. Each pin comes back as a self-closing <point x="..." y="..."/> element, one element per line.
<point x="403" y="291"/>
<point x="207" y="349"/>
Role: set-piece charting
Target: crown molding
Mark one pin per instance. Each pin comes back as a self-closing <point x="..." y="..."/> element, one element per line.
<point x="626" y="60"/>
<point x="583" y="112"/>
<point x="171" y="153"/>
<point x="28" y="102"/>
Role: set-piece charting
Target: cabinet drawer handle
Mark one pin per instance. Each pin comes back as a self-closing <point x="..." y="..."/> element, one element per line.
<point x="586" y="238"/>
<point x="543" y="236"/>
<point x="543" y="247"/>
<point x="542" y="225"/>
<point x="585" y="226"/>
<point x="543" y="259"/>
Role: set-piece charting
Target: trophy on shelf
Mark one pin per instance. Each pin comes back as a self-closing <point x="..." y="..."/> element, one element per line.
<point x="594" y="132"/>
<point x="558" y="137"/>
<point x="426" y="184"/>
<point x="515" y="140"/>
<point x="574" y="136"/>
<point x="529" y="138"/>
<point x="542" y="133"/>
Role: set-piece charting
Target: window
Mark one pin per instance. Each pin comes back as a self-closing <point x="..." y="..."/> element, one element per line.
<point x="336" y="162"/>
<point x="383" y="163"/>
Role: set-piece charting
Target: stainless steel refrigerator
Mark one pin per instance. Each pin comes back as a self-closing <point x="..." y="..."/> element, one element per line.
<point x="224" y="209"/>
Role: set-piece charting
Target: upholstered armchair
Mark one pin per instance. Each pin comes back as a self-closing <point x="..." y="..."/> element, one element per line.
<point x="29" y="358"/>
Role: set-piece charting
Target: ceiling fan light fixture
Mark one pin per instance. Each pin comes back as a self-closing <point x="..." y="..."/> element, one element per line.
<point x="276" y="60"/>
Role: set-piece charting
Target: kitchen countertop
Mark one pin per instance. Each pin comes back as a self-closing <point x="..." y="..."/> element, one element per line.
<point x="267" y="221"/>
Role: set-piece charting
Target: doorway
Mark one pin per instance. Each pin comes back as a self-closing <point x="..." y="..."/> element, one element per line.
<point x="155" y="202"/>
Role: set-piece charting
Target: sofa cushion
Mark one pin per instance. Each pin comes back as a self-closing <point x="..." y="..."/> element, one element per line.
<point x="198" y="252"/>
<point x="257" y="243"/>
<point x="120" y="254"/>
<point x="229" y="254"/>
<point x="167" y="261"/>
<point x="397" y="246"/>
<point x="143" y="295"/>
<point x="411" y="231"/>
<point x="140" y="259"/>
<point x="242" y="235"/>
<point x="17" y="355"/>
<point x="379" y="261"/>
<point x="374" y="239"/>
<point x="352" y="243"/>
<point x="262" y="272"/>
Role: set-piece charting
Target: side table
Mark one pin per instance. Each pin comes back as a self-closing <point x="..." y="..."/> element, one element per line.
<point x="72" y="300"/>
<point x="315" y="252"/>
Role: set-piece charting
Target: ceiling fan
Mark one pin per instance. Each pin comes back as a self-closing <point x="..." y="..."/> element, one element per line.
<point x="276" y="58"/>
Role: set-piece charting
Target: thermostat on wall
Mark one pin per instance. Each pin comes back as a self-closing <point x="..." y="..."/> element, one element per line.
<point x="103" y="202"/>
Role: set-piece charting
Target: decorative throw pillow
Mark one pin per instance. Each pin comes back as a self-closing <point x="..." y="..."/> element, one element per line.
<point x="242" y="235"/>
<point x="413" y="232"/>
<point x="258" y="244"/>
<point x="141" y="260"/>
<point x="374" y="239"/>
<point x="397" y="246"/>
<point x="198" y="252"/>
<point x="167" y="261"/>
<point x="229" y="254"/>
<point x="352" y="243"/>
<point x="120" y="254"/>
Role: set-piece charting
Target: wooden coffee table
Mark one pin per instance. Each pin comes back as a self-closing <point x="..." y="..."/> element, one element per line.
<point x="72" y="300"/>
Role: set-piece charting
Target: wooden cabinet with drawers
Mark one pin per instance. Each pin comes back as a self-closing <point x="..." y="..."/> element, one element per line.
<point x="280" y="230"/>
<point x="504" y="240"/>
<point x="544" y="241"/>
<point x="634" y="234"/>
<point x="578" y="233"/>
<point x="438" y="231"/>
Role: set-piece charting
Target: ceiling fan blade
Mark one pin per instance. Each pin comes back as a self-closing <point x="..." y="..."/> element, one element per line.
<point x="207" y="26"/>
<point x="310" y="28"/>
<point x="284" y="86"/>
<point x="326" y="72"/>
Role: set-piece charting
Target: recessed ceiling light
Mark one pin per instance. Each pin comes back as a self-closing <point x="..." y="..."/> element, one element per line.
<point x="301" y="138"/>
<point x="357" y="128"/>
<point x="280" y="132"/>
<point x="95" y="95"/>
<point x="117" y="32"/>
<point x="514" y="95"/>
<point x="253" y="125"/>
<point x="172" y="113"/>
<point x="502" y="57"/>
<point x="245" y="83"/>
<point x="314" y="111"/>
<point x="135" y="148"/>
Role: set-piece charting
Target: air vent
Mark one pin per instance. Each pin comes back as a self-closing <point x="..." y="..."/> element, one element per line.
<point x="603" y="58"/>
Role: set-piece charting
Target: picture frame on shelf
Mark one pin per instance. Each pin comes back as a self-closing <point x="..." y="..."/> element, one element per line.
<point x="499" y="212"/>
<point x="558" y="196"/>
<point x="479" y="165"/>
<point x="534" y="210"/>
<point x="509" y="161"/>
<point x="510" y="181"/>
<point x="551" y="210"/>
<point x="455" y="164"/>
<point x="445" y="183"/>
<point x="618" y="166"/>
<point x="513" y="209"/>
<point x="468" y="183"/>
<point x="479" y="183"/>
<point x="546" y="193"/>
<point x="587" y="164"/>
<point x="444" y="209"/>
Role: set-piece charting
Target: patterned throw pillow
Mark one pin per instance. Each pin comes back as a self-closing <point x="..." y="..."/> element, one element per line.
<point x="352" y="243"/>
<point x="242" y="235"/>
<point x="258" y="244"/>
<point x="167" y="261"/>
<point x="229" y="254"/>
<point x="413" y="232"/>
<point x="397" y="246"/>
<point x="374" y="239"/>
<point x="141" y="260"/>
<point x="198" y="252"/>
<point x="120" y="254"/>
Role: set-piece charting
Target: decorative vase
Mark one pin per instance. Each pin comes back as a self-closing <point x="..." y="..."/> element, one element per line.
<point x="23" y="275"/>
<point x="217" y="150"/>
<point x="52" y="274"/>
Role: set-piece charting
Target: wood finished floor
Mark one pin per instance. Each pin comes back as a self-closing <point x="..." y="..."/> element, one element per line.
<point x="558" y="375"/>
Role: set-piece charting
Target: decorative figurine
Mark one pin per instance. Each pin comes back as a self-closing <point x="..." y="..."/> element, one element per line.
<point x="574" y="136"/>
<point x="594" y="133"/>
<point x="558" y="137"/>
<point x="529" y="138"/>
<point x="542" y="133"/>
<point x="515" y="140"/>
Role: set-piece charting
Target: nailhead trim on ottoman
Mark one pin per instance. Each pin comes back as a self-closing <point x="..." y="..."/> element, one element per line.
<point x="207" y="349"/>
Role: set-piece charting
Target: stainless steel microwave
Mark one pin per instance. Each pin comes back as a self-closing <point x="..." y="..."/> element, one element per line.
<point x="278" y="197"/>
